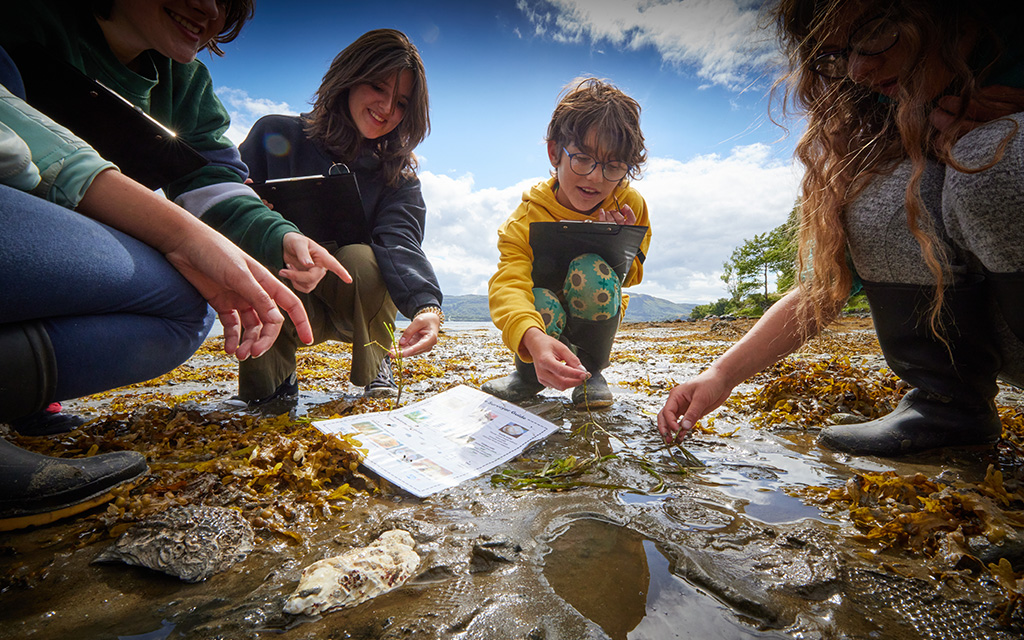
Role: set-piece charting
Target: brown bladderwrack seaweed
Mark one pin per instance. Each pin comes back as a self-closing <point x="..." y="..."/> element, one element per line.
<point x="811" y="393"/>
<point x="949" y="526"/>
<point x="273" y="470"/>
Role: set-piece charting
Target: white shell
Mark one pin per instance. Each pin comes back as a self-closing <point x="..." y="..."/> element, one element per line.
<point x="356" y="575"/>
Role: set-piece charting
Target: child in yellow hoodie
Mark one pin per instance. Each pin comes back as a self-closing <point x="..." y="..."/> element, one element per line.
<point x="563" y="338"/>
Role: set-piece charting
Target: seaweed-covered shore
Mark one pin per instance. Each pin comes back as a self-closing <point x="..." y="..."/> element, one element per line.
<point x="598" y="532"/>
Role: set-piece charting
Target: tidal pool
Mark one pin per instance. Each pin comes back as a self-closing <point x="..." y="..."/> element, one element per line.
<point x="736" y="549"/>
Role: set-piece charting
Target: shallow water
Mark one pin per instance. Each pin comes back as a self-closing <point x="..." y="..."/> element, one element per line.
<point x="724" y="552"/>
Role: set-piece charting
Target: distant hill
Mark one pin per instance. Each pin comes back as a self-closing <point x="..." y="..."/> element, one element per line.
<point x="642" y="308"/>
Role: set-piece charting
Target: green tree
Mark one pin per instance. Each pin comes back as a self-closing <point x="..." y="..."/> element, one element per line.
<point x="721" y="307"/>
<point x="749" y="271"/>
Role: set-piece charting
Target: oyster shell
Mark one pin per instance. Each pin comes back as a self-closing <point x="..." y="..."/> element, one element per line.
<point x="356" y="575"/>
<point x="191" y="542"/>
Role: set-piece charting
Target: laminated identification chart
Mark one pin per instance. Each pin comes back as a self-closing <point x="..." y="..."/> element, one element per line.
<point x="439" y="442"/>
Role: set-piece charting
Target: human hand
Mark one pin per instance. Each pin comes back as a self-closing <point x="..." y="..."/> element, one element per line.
<point x="555" y="363"/>
<point x="243" y="292"/>
<point x="624" y="215"/>
<point x="990" y="103"/>
<point x="306" y="263"/>
<point x="419" y="337"/>
<point x="689" y="402"/>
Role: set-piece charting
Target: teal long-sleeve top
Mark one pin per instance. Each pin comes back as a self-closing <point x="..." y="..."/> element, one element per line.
<point x="179" y="96"/>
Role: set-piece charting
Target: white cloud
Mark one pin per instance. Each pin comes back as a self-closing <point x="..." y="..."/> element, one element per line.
<point x="700" y="211"/>
<point x="717" y="38"/>
<point x="462" y="224"/>
<point x="245" y="110"/>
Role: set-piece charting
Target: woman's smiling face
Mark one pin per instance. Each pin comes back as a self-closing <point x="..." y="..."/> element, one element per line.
<point x="378" y="107"/>
<point x="177" y="29"/>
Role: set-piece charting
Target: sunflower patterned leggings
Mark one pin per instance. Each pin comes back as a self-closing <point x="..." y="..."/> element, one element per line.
<point x="591" y="291"/>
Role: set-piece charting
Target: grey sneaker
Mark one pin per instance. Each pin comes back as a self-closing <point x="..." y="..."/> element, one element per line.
<point x="383" y="386"/>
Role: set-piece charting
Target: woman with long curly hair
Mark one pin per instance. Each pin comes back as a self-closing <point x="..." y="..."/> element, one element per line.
<point x="914" y="159"/>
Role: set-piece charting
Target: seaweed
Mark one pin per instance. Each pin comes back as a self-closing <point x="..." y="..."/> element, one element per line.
<point x="561" y="474"/>
<point x="930" y="518"/>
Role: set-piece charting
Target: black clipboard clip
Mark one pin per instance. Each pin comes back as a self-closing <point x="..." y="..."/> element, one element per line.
<point x="328" y="209"/>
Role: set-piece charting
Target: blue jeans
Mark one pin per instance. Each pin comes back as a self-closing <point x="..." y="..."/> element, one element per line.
<point x="115" y="310"/>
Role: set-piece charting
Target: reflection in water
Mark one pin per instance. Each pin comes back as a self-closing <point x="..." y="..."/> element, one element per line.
<point x="600" y="569"/>
<point x="162" y="633"/>
<point x="676" y="609"/>
<point x="621" y="582"/>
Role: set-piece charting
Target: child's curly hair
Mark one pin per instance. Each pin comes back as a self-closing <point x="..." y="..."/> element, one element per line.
<point x="590" y="105"/>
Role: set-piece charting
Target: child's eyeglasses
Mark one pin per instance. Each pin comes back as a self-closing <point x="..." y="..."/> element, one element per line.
<point x="877" y="35"/>
<point x="583" y="165"/>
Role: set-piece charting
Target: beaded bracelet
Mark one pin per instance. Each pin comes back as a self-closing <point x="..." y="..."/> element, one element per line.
<point x="432" y="309"/>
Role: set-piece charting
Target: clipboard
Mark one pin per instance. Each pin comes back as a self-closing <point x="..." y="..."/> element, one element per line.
<point x="556" y="244"/>
<point x="325" y="208"/>
<point x="142" y="148"/>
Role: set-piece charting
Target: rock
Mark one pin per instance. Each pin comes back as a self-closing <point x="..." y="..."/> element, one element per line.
<point x="356" y="575"/>
<point x="191" y="542"/>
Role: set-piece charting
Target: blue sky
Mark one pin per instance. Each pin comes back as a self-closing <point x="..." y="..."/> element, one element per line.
<point x="719" y="170"/>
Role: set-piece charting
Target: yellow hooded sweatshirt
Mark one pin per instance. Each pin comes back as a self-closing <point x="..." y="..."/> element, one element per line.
<point x="510" y="290"/>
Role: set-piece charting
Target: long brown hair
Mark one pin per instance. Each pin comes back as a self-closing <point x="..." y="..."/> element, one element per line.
<point x="852" y="135"/>
<point x="375" y="56"/>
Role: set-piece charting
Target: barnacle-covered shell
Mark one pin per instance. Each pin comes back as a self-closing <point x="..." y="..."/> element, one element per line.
<point x="356" y="575"/>
<point x="191" y="542"/>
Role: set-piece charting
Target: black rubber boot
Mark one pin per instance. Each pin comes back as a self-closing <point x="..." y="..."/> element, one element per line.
<point x="1008" y="291"/>
<point x="47" y="422"/>
<point x="593" y="341"/>
<point x="521" y="384"/>
<point x="37" y="489"/>
<point x="952" y="404"/>
<point x="28" y="370"/>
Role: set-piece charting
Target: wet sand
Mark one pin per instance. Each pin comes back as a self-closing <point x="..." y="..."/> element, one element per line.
<point x="742" y="547"/>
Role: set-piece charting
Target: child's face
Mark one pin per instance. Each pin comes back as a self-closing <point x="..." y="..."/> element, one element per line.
<point x="370" y="105"/>
<point x="582" y="194"/>
<point x="177" y="29"/>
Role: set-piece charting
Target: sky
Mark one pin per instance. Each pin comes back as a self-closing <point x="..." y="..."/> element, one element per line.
<point x="719" y="170"/>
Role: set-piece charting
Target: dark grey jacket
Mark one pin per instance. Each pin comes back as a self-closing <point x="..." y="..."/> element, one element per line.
<point x="396" y="215"/>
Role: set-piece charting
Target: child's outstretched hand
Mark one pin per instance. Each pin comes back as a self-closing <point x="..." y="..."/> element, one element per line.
<point x="624" y="215"/>
<point x="556" y="365"/>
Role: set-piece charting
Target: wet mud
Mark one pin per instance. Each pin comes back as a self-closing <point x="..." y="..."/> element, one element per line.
<point x="641" y="544"/>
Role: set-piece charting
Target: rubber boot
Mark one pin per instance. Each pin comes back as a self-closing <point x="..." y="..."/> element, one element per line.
<point x="37" y="489"/>
<point x="952" y="404"/>
<point x="28" y="370"/>
<point x="521" y="384"/>
<point x="593" y="342"/>
<point x="1008" y="291"/>
<point x="48" y="422"/>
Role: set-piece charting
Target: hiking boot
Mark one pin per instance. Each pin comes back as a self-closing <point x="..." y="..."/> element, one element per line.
<point x="383" y="386"/>
<point x="37" y="489"/>
<point x="521" y="384"/>
<point x="287" y="391"/>
<point x="50" y="421"/>
<point x="593" y="393"/>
